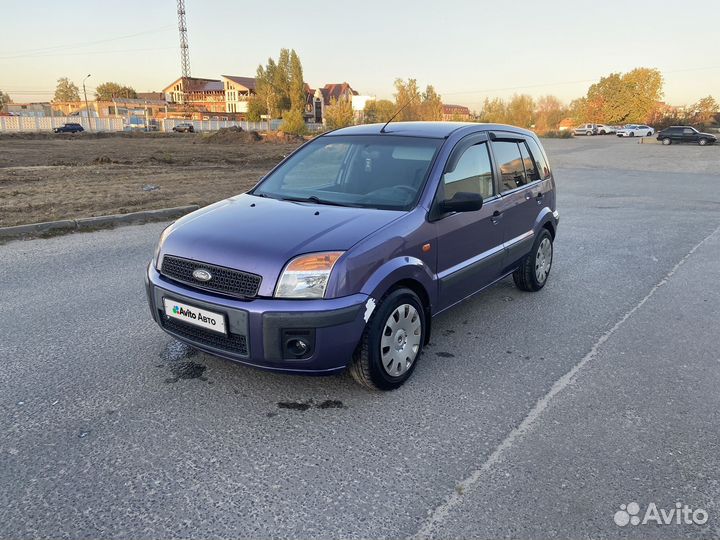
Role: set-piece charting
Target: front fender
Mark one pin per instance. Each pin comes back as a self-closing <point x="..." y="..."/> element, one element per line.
<point x="399" y="269"/>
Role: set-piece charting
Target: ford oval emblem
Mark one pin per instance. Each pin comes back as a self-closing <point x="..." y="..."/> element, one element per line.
<point x="202" y="275"/>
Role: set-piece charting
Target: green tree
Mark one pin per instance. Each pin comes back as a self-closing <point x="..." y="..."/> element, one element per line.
<point x="378" y="111"/>
<point x="520" y="111"/>
<point x="630" y="97"/>
<point x="281" y="80"/>
<point x="109" y="90"/>
<point x="66" y="90"/>
<point x="293" y="123"/>
<point x="494" y="111"/>
<point x="298" y="96"/>
<point x="577" y="110"/>
<point x="256" y="108"/>
<point x="280" y="84"/>
<point x="704" y="111"/>
<point x="4" y="99"/>
<point x="408" y="96"/>
<point x="431" y="107"/>
<point x="549" y="112"/>
<point x="339" y="114"/>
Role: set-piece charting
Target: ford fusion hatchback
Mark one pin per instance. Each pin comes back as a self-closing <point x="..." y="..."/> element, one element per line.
<point x="341" y="256"/>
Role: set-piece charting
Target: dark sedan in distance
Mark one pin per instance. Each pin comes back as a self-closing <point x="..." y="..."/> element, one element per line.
<point x="685" y="134"/>
<point x="69" y="128"/>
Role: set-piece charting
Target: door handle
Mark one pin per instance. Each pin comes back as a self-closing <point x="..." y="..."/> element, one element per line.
<point x="495" y="218"/>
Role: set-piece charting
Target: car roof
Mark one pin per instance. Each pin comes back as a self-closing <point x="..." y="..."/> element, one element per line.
<point x="436" y="130"/>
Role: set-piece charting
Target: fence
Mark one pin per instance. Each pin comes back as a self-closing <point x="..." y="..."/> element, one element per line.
<point x="47" y="123"/>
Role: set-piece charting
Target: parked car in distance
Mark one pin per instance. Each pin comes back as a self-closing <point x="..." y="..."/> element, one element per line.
<point x="586" y="129"/>
<point x="184" y="128"/>
<point x="69" y="128"/>
<point x="342" y="254"/>
<point x="604" y="129"/>
<point x="635" y="130"/>
<point x="685" y="134"/>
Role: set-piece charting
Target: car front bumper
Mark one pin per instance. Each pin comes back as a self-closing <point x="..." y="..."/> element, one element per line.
<point x="259" y="328"/>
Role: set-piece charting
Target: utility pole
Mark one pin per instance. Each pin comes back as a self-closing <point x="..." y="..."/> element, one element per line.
<point x="87" y="107"/>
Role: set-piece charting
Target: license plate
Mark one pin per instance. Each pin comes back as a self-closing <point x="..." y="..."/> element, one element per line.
<point x="209" y="320"/>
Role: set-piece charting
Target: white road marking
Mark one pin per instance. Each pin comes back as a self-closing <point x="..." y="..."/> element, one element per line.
<point x="435" y="519"/>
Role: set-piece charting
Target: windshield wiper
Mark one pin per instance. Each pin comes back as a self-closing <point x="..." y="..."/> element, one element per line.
<point x="317" y="200"/>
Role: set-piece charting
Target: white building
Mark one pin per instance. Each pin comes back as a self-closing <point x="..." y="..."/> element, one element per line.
<point x="238" y="91"/>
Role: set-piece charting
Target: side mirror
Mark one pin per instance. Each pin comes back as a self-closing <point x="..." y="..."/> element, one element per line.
<point x="462" y="201"/>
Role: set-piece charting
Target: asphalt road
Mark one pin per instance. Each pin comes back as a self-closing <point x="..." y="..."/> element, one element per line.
<point x="530" y="415"/>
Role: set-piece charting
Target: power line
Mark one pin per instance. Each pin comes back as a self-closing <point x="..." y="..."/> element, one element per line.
<point x="88" y="43"/>
<point x="87" y="53"/>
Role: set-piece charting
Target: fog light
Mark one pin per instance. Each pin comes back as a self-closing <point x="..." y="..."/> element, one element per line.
<point x="297" y="347"/>
<point x="298" y="344"/>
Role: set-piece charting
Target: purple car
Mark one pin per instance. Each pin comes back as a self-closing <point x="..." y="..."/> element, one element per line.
<point x="342" y="254"/>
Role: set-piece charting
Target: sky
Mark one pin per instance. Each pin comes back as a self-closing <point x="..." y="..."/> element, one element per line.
<point x="468" y="50"/>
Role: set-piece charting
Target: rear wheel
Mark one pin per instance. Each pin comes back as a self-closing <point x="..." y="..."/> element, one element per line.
<point x="702" y="142"/>
<point x="649" y="133"/>
<point x="392" y="342"/>
<point x="535" y="270"/>
<point x="666" y="141"/>
<point x="632" y="134"/>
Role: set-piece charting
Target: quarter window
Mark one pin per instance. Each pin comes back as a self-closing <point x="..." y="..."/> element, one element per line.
<point x="537" y="153"/>
<point x="472" y="174"/>
<point x="531" y="172"/>
<point x="510" y="163"/>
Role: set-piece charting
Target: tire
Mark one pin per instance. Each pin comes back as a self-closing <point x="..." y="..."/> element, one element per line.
<point x="702" y="142"/>
<point x="380" y="344"/>
<point x="529" y="277"/>
<point x="649" y="134"/>
<point x="632" y="134"/>
<point x="666" y="141"/>
<point x="602" y="132"/>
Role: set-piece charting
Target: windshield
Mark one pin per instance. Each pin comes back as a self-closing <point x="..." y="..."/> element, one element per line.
<point x="371" y="171"/>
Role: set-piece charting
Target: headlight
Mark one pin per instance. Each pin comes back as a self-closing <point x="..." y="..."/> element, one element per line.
<point x="307" y="276"/>
<point x="163" y="236"/>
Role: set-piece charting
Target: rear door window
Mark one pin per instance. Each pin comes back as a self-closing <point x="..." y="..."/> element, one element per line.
<point x="510" y="163"/>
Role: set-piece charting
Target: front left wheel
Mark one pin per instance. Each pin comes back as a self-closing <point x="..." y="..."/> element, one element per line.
<point x="392" y="342"/>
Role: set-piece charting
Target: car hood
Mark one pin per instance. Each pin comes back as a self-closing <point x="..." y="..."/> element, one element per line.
<point x="260" y="235"/>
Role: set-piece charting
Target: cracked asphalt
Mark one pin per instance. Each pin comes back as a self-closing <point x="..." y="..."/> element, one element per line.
<point x="529" y="416"/>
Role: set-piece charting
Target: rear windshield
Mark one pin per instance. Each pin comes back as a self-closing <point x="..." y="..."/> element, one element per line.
<point x="372" y="171"/>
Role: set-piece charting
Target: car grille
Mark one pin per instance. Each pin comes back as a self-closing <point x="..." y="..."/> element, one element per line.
<point x="232" y="343"/>
<point x="224" y="280"/>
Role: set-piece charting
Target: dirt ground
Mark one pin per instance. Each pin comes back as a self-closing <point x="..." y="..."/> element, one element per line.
<point x="44" y="177"/>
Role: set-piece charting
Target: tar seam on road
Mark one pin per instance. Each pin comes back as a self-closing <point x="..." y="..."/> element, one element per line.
<point x="441" y="513"/>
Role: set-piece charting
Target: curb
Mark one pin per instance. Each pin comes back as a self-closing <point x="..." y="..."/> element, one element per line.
<point x="64" y="226"/>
